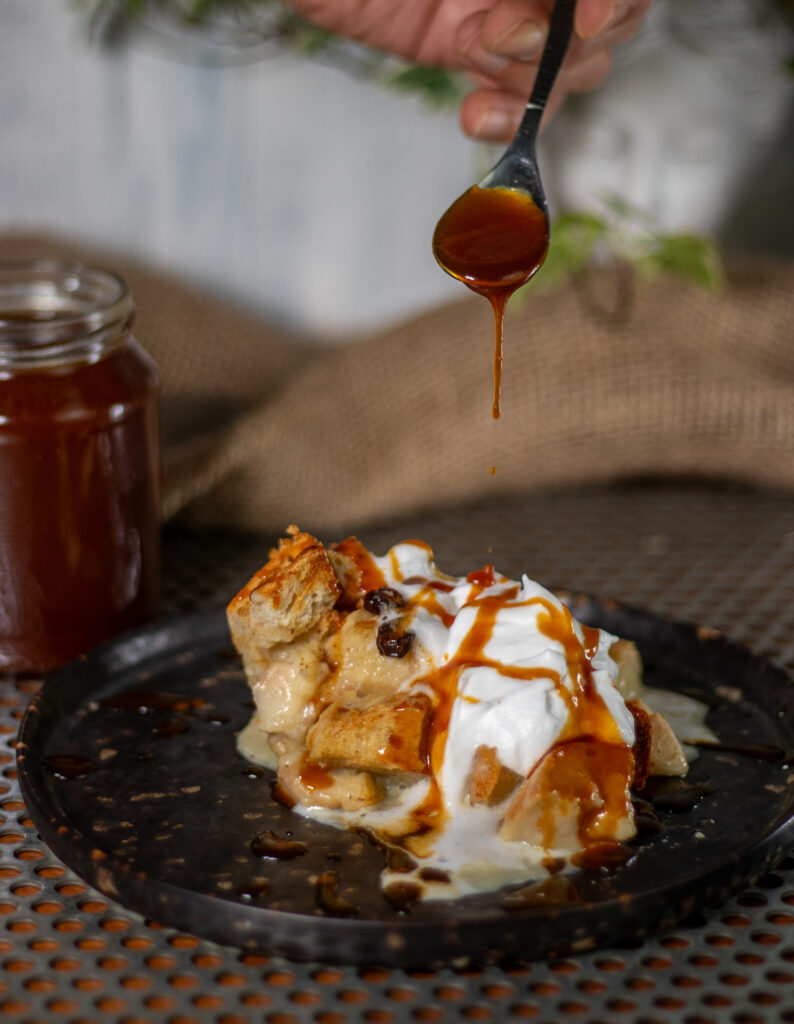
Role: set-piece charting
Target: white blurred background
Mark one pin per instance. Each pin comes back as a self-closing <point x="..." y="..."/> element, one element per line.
<point x="310" y="196"/>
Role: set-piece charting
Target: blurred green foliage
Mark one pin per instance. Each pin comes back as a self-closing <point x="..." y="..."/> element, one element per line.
<point x="623" y="234"/>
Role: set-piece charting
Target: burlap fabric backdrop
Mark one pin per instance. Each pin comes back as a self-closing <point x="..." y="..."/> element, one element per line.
<point x="263" y="429"/>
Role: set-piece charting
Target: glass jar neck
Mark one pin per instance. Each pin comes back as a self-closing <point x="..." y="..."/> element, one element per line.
<point x="58" y="312"/>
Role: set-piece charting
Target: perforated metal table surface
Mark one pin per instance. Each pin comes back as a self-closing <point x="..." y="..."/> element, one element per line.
<point x="719" y="556"/>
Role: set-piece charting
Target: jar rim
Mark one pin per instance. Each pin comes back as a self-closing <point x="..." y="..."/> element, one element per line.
<point x="49" y="305"/>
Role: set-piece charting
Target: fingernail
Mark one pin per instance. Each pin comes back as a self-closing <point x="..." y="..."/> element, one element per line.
<point x="494" y="125"/>
<point x="597" y="21"/>
<point x="488" y="63"/>
<point x="482" y="60"/>
<point x="521" y="41"/>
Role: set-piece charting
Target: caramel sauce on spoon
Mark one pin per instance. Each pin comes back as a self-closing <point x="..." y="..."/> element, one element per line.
<point x="493" y="240"/>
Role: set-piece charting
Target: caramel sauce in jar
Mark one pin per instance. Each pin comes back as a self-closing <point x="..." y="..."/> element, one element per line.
<point x="79" y="473"/>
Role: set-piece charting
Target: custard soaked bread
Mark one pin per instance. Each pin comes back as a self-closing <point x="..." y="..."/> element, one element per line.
<point x="471" y="721"/>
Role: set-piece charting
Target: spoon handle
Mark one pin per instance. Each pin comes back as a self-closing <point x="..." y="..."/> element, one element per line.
<point x="560" y="28"/>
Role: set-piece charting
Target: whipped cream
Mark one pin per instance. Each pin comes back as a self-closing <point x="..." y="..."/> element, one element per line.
<point x="520" y="718"/>
<point x="507" y="664"/>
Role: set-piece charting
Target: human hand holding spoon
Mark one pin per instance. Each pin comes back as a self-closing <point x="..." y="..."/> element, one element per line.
<point x="496" y="235"/>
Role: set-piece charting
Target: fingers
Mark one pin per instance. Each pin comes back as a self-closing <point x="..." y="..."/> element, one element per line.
<point x="625" y="19"/>
<point x="502" y="46"/>
<point x="515" y="31"/>
<point x="579" y="75"/>
<point x="473" y="52"/>
<point x="592" y="17"/>
<point x="492" y="114"/>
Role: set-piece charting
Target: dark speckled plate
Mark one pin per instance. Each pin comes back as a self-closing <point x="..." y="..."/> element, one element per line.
<point x="163" y="816"/>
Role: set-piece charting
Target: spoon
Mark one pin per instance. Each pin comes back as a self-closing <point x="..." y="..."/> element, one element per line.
<point x="496" y="235"/>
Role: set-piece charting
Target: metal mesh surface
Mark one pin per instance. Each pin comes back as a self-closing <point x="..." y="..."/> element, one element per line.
<point x="721" y="557"/>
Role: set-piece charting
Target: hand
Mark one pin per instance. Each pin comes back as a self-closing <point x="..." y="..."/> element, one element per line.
<point x="498" y="41"/>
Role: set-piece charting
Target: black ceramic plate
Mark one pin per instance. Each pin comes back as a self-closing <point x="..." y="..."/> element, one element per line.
<point x="152" y="804"/>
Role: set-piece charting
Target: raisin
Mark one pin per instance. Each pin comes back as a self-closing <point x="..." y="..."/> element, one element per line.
<point x="377" y="601"/>
<point x="392" y="641"/>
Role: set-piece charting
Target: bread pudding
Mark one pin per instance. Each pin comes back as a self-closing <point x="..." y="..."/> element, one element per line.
<point x="469" y="724"/>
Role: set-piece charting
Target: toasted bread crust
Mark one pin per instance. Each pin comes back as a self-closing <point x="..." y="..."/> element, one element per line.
<point x="562" y="790"/>
<point x="665" y="754"/>
<point x="288" y="595"/>
<point x="383" y="738"/>
<point x="656" y="749"/>
<point x="489" y="781"/>
<point x="629" y="662"/>
<point x="323" y="690"/>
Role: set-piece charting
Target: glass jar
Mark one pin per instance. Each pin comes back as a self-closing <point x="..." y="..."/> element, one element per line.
<point x="79" y="473"/>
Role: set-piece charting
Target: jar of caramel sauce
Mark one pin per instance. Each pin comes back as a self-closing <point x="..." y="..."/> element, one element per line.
<point x="79" y="473"/>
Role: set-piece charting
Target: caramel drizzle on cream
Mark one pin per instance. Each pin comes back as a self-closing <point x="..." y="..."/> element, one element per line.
<point x="603" y="761"/>
<point x="589" y="754"/>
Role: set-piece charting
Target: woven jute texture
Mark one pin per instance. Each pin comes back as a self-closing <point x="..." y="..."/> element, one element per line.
<point x="680" y="382"/>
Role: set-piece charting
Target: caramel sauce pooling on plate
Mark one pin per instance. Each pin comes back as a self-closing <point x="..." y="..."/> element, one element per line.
<point x="493" y="240"/>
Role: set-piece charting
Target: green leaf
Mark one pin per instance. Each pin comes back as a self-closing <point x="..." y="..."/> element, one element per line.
<point x="573" y="241"/>
<point x="691" y="257"/>
<point x="438" y="88"/>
